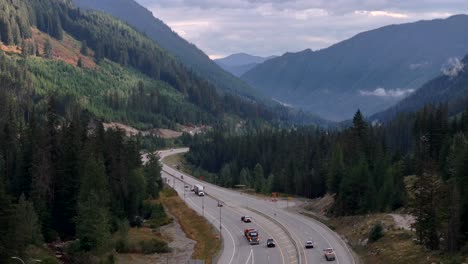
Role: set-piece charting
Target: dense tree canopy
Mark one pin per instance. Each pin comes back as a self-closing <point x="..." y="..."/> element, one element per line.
<point x="365" y="166"/>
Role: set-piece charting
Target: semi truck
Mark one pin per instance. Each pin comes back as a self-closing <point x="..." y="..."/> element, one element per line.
<point x="252" y="236"/>
<point x="199" y="190"/>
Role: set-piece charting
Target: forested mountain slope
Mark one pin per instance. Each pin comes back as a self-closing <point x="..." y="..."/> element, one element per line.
<point x="371" y="71"/>
<point x="143" y="20"/>
<point x="112" y="70"/>
<point x="450" y="88"/>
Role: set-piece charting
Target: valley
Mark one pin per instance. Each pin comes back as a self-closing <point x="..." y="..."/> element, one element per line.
<point x="121" y="141"/>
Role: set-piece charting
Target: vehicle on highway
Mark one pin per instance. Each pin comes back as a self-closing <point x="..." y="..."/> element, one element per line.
<point x="329" y="254"/>
<point x="270" y="243"/>
<point x="220" y="204"/>
<point x="246" y="219"/>
<point x="182" y="177"/>
<point x="309" y="244"/>
<point x="199" y="190"/>
<point x="252" y="236"/>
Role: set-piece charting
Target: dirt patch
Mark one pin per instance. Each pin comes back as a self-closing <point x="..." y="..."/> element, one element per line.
<point x="208" y="242"/>
<point x="165" y="133"/>
<point x="129" y="131"/>
<point x="10" y="49"/>
<point x="403" y="221"/>
<point x="181" y="246"/>
<point x="66" y="50"/>
<point x="193" y="130"/>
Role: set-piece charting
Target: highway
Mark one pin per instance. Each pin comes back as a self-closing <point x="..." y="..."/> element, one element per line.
<point x="271" y="219"/>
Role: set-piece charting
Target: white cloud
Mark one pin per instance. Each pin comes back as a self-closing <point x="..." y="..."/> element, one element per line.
<point x="273" y="27"/>
<point x="378" y="13"/>
<point x="453" y="67"/>
<point x="382" y="92"/>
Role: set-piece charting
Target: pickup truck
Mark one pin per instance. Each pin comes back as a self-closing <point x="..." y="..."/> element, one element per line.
<point x="252" y="236"/>
<point x="329" y="254"/>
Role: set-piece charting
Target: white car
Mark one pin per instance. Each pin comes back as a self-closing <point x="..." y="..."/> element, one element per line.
<point x="309" y="244"/>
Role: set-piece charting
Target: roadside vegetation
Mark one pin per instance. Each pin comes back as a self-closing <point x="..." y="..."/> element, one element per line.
<point x="364" y="166"/>
<point x="194" y="225"/>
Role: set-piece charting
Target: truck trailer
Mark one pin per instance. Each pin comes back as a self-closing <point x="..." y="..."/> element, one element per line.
<point x="199" y="190"/>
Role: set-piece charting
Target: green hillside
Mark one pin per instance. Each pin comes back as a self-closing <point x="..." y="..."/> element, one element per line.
<point x="142" y="19"/>
<point x="114" y="71"/>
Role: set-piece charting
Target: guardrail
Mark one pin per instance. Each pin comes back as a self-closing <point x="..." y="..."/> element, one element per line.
<point x="296" y="246"/>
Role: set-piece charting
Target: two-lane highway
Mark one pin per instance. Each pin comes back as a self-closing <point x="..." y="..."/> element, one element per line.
<point x="290" y="230"/>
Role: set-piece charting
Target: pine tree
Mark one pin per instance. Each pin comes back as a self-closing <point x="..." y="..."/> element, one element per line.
<point x="425" y="206"/>
<point x="153" y="176"/>
<point x="48" y="49"/>
<point x="27" y="229"/>
<point x="92" y="221"/>
<point x="84" y="48"/>
<point x="79" y="63"/>
<point x="335" y="169"/>
<point x="258" y="177"/>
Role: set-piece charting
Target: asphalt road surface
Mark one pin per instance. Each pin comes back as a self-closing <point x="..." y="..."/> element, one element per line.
<point x="289" y="230"/>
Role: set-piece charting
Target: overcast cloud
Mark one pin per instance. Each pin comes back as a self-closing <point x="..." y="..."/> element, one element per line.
<point x="272" y="27"/>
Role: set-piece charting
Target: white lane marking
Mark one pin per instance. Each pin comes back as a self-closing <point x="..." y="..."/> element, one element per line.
<point x="227" y="229"/>
<point x="250" y="255"/>
<point x="264" y="229"/>
<point x="176" y="151"/>
<point x="320" y="233"/>
<point x="253" y="261"/>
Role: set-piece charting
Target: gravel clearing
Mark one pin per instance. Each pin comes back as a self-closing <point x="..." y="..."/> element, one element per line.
<point x="180" y="244"/>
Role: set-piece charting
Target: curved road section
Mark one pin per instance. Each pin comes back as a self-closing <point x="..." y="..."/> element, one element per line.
<point x="289" y="230"/>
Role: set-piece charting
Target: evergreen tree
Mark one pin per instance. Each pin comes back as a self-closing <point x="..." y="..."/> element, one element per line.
<point x="79" y="63"/>
<point x="335" y="170"/>
<point x="153" y="176"/>
<point x="92" y="221"/>
<point x="425" y="206"/>
<point x="26" y="227"/>
<point x="48" y="49"/>
<point x="84" y="48"/>
<point x="258" y="177"/>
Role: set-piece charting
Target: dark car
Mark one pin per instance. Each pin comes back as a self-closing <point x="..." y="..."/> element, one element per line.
<point x="246" y="219"/>
<point x="270" y="243"/>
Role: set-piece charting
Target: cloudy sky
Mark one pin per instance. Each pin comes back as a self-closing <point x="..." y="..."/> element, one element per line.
<point x="272" y="27"/>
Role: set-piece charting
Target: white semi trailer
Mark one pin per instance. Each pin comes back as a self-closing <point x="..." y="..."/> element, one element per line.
<point x="199" y="190"/>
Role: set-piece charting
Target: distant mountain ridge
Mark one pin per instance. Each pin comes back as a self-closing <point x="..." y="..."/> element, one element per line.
<point x="240" y="63"/>
<point x="142" y="19"/>
<point x="371" y="71"/>
<point x="450" y="88"/>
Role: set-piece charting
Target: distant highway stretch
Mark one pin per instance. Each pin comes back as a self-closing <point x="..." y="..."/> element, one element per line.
<point x="289" y="230"/>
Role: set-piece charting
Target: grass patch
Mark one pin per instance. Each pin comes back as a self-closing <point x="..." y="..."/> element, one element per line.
<point x="194" y="225"/>
<point x="178" y="162"/>
<point x="396" y="246"/>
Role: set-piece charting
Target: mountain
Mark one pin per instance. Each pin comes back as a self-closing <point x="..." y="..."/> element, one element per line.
<point x="240" y="63"/>
<point x="371" y="71"/>
<point x="95" y="62"/>
<point x="192" y="57"/>
<point x="450" y="88"/>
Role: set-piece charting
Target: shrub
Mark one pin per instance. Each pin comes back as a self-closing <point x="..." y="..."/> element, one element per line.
<point x="156" y="214"/>
<point x="169" y="192"/>
<point x="376" y="232"/>
<point x="154" y="246"/>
